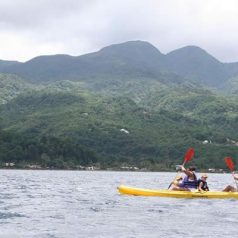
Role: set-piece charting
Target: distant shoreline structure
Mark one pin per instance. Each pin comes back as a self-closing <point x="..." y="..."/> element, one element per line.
<point x="12" y="166"/>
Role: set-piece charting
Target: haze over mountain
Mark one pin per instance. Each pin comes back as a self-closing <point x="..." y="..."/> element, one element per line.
<point x="134" y="59"/>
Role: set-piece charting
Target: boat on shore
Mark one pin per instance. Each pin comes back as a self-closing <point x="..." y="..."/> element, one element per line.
<point x="176" y="194"/>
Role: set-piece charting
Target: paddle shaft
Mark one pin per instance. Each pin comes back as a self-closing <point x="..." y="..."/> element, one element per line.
<point x="173" y="180"/>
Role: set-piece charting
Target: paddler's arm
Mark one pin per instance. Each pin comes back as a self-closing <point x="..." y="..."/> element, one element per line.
<point x="200" y="187"/>
<point x="187" y="172"/>
<point x="235" y="176"/>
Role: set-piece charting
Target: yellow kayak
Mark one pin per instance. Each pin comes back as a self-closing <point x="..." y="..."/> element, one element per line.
<point x="176" y="194"/>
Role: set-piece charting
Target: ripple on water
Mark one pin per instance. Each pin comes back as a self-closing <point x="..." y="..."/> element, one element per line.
<point x="69" y="204"/>
<point x="7" y="196"/>
<point x="10" y="215"/>
<point x="155" y="210"/>
<point x="96" y="209"/>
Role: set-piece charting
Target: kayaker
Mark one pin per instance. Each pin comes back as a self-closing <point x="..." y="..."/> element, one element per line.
<point x="230" y="188"/>
<point x="176" y="182"/>
<point x="190" y="181"/>
<point x="202" y="183"/>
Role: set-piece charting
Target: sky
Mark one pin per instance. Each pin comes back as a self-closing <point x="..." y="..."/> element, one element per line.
<point x="31" y="28"/>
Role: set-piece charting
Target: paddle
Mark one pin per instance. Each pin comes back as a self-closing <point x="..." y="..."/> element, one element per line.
<point x="231" y="166"/>
<point x="188" y="156"/>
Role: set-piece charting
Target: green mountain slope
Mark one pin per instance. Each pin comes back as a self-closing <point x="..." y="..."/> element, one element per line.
<point x="7" y="63"/>
<point x="128" y="59"/>
<point x="157" y="136"/>
<point x="134" y="59"/>
<point x="195" y="63"/>
<point x="126" y="105"/>
<point x="11" y="86"/>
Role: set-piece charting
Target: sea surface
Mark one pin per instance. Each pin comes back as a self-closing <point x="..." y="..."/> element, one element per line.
<point x="71" y="204"/>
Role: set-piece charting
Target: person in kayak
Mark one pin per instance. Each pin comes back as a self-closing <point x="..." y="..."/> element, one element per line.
<point x="230" y="188"/>
<point x="202" y="183"/>
<point x="190" y="181"/>
<point x="176" y="182"/>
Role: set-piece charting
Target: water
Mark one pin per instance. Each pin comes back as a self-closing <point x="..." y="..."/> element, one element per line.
<point x="69" y="204"/>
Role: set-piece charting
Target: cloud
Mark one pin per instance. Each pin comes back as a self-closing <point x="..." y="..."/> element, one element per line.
<point x="31" y="28"/>
<point x="30" y="14"/>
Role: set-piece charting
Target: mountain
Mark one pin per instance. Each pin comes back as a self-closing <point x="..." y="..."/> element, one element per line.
<point x="125" y="105"/>
<point x="6" y="63"/>
<point x="129" y="60"/>
<point x="11" y="86"/>
<point x="195" y="63"/>
<point x="232" y="69"/>
<point x="65" y="129"/>
<point x="42" y="68"/>
<point x="136" y="53"/>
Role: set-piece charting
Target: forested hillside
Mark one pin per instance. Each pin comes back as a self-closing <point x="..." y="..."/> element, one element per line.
<point x="134" y="59"/>
<point x="119" y="111"/>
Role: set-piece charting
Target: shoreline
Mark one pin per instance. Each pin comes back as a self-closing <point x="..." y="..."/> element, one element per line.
<point x="111" y="170"/>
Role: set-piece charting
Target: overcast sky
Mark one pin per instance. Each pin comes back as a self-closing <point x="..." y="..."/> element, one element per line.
<point x="30" y="28"/>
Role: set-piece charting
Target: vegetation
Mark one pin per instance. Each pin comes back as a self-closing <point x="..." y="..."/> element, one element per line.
<point x="65" y="130"/>
<point x="117" y="111"/>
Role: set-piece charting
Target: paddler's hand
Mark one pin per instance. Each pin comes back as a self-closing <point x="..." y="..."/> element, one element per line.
<point x="182" y="168"/>
<point x="177" y="167"/>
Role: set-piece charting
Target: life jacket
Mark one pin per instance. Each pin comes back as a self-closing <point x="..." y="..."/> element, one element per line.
<point x="186" y="183"/>
<point x="204" y="185"/>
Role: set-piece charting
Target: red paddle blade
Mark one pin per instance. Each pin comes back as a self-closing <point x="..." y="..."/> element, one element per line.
<point x="189" y="155"/>
<point x="229" y="163"/>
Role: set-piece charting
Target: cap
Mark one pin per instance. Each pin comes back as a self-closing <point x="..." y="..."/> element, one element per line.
<point x="204" y="176"/>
